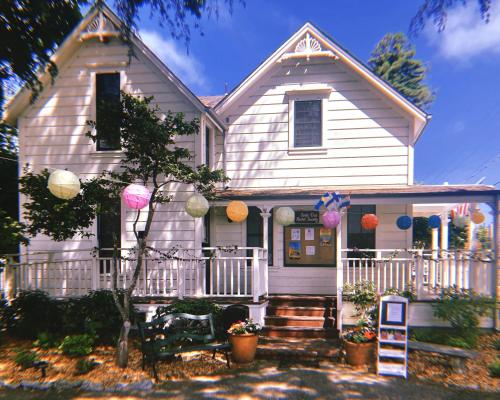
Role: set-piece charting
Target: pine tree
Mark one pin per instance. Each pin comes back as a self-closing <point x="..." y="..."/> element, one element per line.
<point x="393" y="60"/>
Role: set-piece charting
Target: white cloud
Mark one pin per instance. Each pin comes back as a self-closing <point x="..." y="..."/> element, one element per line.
<point x="175" y="57"/>
<point x="466" y="34"/>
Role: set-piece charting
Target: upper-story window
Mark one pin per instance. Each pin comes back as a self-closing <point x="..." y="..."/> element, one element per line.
<point x="108" y="111"/>
<point x="308" y="130"/>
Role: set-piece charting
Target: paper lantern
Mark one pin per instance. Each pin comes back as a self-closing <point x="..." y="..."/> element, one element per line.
<point x="136" y="196"/>
<point x="63" y="184"/>
<point x="330" y="219"/>
<point x="369" y="221"/>
<point x="434" y="221"/>
<point x="477" y="217"/>
<point x="404" y="222"/>
<point x="460" y="221"/>
<point x="197" y="206"/>
<point x="237" y="211"/>
<point x="285" y="216"/>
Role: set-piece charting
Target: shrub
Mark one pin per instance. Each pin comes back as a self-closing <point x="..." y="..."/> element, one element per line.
<point x="46" y="341"/>
<point x="408" y="293"/>
<point x="496" y="344"/>
<point x="444" y="336"/>
<point x="462" y="309"/>
<point x="31" y="313"/>
<point x="495" y="369"/>
<point x="25" y="358"/>
<point x="77" y="345"/>
<point x="84" y="366"/>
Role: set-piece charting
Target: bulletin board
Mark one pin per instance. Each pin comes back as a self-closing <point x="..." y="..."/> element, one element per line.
<point x="309" y="245"/>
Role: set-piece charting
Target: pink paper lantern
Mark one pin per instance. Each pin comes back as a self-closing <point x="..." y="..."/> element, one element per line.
<point x="330" y="219"/>
<point x="136" y="196"/>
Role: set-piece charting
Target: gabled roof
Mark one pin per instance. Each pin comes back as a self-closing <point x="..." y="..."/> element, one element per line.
<point x="210" y="101"/>
<point x="18" y="103"/>
<point x="335" y="51"/>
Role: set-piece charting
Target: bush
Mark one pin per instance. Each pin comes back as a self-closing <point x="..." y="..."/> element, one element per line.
<point x="77" y="345"/>
<point x="496" y="344"/>
<point x="46" y="341"/>
<point x="25" y="358"/>
<point x="84" y="366"/>
<point x="495" y="369"/>
<point x="462" y="309"/>
<point x="31" y="313"/>
<point x="444" y="336"/>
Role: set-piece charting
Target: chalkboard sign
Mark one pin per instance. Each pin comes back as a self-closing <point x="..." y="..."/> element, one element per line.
<point x="307" y="217"/>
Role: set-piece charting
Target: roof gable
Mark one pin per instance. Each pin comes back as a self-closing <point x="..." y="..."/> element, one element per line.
<point x="309" y="42"/>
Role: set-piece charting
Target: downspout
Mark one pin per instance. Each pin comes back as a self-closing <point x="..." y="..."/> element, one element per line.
<point x="224" y="169"/>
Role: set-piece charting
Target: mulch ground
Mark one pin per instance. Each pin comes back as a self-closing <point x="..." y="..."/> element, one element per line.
<point x="436" y="368"/>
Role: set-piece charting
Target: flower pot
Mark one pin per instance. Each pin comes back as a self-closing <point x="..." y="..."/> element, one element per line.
<point x="359" y="354"/>
<point x="243" y="347"/>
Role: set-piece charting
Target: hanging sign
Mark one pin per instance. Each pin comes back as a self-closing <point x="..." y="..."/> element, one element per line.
<point x="306" y="217"/>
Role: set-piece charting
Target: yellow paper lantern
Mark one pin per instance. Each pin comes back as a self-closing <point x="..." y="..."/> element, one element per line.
<point x="237" y="211"/>
<point x="197" y="206"/>
<point x="477" y="217"/>
<point x="63" y="184"/>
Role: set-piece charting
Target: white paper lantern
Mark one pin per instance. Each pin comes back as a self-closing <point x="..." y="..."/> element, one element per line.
<point x="285" y="216"/>
<point x="63" y="184"/>
<point x="197" y="206"/>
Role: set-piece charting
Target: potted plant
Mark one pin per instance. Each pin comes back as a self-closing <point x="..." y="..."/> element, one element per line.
<point x="243" y="336"/>
<point x="359" y="341"/>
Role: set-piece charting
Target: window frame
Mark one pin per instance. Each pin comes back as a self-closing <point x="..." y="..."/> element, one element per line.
<point x="98" y="150"/>
<point x="321" y="94"/>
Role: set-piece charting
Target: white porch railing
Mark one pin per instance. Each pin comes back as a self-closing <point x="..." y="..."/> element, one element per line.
<point x="217" y="272"/>
<point x="425" y="272"/>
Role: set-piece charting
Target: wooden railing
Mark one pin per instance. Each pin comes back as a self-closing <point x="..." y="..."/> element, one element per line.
<point x="424" y="272"/>
<point x="211" y="271"/>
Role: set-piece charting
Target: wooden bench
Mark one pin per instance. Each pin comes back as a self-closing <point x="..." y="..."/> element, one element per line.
<point x="458" y="355"/>
<point x="168" y="335"/>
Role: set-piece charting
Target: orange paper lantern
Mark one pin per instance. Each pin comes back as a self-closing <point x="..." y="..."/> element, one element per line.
<point x="369" y="221"/>
<point x="477" y="217"/>
<point x="237" y="211"/>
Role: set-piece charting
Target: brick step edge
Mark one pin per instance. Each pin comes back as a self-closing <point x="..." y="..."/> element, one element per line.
<point x="284" y="353"/>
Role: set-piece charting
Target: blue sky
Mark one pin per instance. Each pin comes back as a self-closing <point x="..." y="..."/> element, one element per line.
<point x="461" y="143"/>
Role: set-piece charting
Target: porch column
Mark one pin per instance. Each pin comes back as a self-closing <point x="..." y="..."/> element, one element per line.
<point x="444" y="249"/>
<point x="444" y="231"/>
<point x="265" y="214"/>
<point x="496" y="264"/>
<point x="340" y="276"/>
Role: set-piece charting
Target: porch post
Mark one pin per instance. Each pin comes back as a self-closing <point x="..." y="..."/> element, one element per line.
<point x="265" y="214"/>
<point x="340" y="276"/>
<point x="444" y="231"/>
<point x="496" y="265"/>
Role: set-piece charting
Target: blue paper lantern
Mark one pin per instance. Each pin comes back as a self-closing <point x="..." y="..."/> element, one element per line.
<point x="434" y="221"/>
<point x="403" y="222"/>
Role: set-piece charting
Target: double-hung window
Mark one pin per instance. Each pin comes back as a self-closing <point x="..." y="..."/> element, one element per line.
<point x="108" y="111"/>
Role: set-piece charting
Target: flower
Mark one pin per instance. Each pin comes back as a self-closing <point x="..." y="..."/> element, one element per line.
<point x="244" y="327"/>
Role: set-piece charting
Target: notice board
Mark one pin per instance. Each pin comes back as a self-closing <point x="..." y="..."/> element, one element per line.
<point x="309" y="245"/>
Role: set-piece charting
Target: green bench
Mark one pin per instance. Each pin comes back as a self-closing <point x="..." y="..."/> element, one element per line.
<point x="172" y="334"/>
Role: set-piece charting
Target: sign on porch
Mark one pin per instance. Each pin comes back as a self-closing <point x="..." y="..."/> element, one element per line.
<point x="307" y="217"/>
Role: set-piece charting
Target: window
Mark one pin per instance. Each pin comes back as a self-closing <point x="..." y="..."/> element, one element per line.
<point x="307" y="123"/>
<point x="254" y="232"/>
<point x="108" y="111"/>
<point x="109" y="230"/>
<point x="207" y="146"/>
<point x="357" y="237"/>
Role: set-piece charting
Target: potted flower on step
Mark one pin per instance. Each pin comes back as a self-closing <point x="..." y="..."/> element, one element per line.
<point x="359" y="341"/>
<point x="243" y="336"/>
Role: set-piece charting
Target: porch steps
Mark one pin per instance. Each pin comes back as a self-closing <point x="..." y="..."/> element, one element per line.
<point x="300" y="316"/>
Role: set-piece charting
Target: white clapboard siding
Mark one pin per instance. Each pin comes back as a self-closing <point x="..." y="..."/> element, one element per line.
<point x="52" y="135"/>
<point x="366" y="137"/>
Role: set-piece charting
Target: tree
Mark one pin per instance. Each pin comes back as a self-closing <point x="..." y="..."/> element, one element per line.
<point x="437" y="11"/>
<point x="150" y="157"/>
<point x="484" y="238"/>
<point x="393" y="60"/>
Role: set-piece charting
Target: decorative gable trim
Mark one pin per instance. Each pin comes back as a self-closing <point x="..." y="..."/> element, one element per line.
<point x="100" y="27"/>
<point x="307" y="48"/>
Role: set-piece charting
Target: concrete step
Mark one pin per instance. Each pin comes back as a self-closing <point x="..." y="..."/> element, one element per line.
<point x="300" y="321"/>
<point x="297" y="350"/>
<point x="283" y="311"/>
<point x="299" y="332"/>
<point x="302" y="301"/>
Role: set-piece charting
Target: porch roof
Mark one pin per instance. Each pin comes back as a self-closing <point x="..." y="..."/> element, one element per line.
<point x="406" y="193"/>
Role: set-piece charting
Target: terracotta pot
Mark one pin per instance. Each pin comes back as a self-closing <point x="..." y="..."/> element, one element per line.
<point x="243" y="347"/>
<point x="359" y="353"/>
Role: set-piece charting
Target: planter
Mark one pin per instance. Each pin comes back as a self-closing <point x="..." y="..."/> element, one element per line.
<point x="243" y="347"/>
<point x="359" y="354"/>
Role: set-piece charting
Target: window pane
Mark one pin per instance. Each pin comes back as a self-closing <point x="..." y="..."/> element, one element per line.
<point x="357" y="237"/>
<point x="307" y="123"/>
<point x="108" y="111"/>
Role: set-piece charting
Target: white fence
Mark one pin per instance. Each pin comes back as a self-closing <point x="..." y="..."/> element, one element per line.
<point x="424" y="272"/>
<point x="217" y="272"/>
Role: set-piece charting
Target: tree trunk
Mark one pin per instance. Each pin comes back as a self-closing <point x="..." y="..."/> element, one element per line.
<point x="122" y="347"/>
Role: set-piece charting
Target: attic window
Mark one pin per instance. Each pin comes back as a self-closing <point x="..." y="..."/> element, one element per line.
<point x="307" y="123"/>
<point x="108" y="111"/>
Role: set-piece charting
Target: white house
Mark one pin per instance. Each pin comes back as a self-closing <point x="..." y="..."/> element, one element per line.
<point x="310" y="119"/>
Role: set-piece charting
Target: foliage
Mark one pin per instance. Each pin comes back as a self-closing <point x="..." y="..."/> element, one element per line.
<point x="484" y="238"/>
<point x="244" y="327"/>
<point x="46" y="340"/>
<point x="445" y="336"/>
<point x="495" y="369"/>
<point x="77" y="345"/>
<point x="462" y="309"/>
<point x="409" y="293"/>
<point x="457" y="236"/>
<point x="31" y="313"/>
<point x="363" y="332"/>
<point x="496" y="344"/>
<point x="393" y="59"/>
<point x="25" y="358"/>
<point x="437" y="11"/>
<point x="364" y="297"/>
<point x="84" y="366"/>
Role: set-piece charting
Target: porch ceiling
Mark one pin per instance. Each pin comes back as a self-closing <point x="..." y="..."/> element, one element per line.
<point x="412" y="194"/>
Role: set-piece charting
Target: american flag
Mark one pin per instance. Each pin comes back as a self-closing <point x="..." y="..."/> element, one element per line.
<point x="462" y="209"/>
